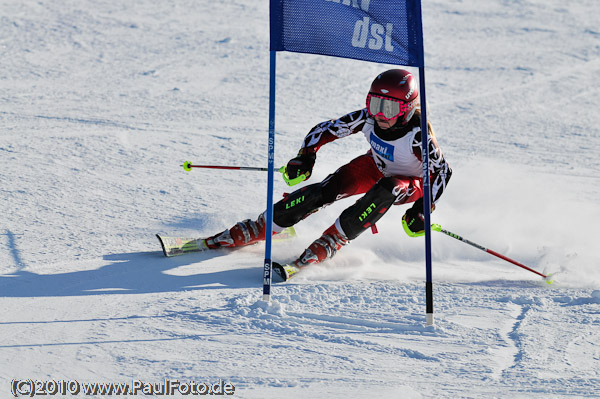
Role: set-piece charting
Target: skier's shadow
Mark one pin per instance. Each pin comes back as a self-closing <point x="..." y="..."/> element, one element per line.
<point x="130" y="273"/>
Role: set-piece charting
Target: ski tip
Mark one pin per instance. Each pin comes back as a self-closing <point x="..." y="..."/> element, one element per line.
<point x="279" y="272"/>
<point x="284" y="272"/>
<point x="162" y="245"/>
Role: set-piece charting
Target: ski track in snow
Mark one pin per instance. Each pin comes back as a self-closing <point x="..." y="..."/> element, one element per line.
<point x="102" y="103"/>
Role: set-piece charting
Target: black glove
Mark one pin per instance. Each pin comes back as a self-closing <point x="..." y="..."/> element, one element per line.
<point x="413" y="220"/>
<point x="301" y="165"/>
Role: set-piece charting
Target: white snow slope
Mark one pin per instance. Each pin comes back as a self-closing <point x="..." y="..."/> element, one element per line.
<point x="101" y="102"/>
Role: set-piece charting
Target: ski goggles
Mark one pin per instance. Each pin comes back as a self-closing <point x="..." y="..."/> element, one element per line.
<point x="388" y="108"/>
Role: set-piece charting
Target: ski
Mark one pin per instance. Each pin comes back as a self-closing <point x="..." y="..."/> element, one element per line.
<point x="174" y="246"/>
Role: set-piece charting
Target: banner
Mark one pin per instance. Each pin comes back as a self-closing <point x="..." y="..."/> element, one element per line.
<point x="383" y="31"/>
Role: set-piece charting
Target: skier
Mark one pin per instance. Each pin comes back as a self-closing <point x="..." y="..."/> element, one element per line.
<point x="388" y="174"/>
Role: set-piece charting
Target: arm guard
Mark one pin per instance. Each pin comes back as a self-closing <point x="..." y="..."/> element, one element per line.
<point x="326" y="132"/>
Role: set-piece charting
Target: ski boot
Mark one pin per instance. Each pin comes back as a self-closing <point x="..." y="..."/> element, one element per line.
<point x="246" y="232"/>
<point x="324" y="247"/>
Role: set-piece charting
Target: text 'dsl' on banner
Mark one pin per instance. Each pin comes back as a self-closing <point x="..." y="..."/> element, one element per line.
<point x="384" y="31"/>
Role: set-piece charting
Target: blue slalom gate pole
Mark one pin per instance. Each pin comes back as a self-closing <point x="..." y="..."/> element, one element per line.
<point x="426" y="200"/>
<point x="268" y="266"/>
<point x="426" y="182"/>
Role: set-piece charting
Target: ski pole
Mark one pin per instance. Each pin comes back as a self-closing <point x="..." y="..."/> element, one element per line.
<point x="187" y="166"/>
<point x="439" y="228"/>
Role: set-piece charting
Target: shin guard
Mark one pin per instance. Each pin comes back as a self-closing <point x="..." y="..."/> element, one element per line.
<point x="298" y="205"/>
<point x="369" y="209"/>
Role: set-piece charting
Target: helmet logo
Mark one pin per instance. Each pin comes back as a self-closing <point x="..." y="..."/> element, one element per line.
<point x="384" y="91"/>
<point x="410" y="92"/>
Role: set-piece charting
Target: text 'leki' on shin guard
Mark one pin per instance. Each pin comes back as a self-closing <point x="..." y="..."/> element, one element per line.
<point x="298" y="205"/>
<point x="369" y="209"/>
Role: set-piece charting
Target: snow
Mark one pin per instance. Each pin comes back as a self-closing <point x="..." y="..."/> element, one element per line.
<point x="101" y="102"/>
